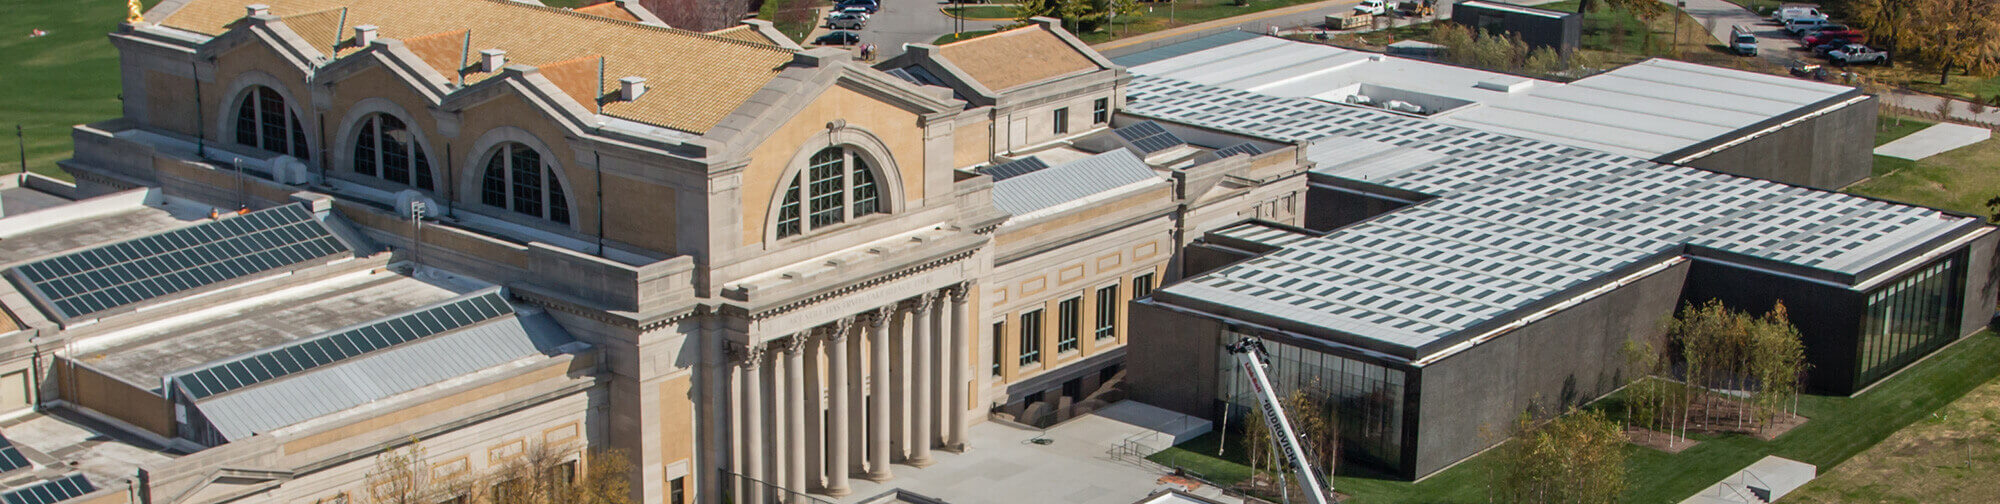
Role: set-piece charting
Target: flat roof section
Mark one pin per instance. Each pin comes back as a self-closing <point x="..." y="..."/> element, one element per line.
<point x="20" y="200"/>
<point x="144" y="354"/>
<point x="1263" y="233"/>
<point x="1515" y="221"/>
<point x="1647" y="109"/>
<point x="61" y="229"/>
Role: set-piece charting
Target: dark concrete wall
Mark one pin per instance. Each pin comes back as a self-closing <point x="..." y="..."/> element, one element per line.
<point x="1826" y="152"/>
<point x="1828" y="317"/>
<point x="1328" y="209"/>
<point x="1563" y="34"/>
<point x="1170" y="359"/>
<point x="1982" y="283"/>
<point x="1203" y="257"/>
<point x="1469" y="400"/>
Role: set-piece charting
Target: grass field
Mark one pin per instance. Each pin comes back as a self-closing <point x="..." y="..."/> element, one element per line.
<point x="1948" y="456"/>
<point x="982" y="11"/>
<point x="1887" y="129"/>
<point x="1614" y="37"/>
<point x="1960" y="180"/>
<point x="1840" y="428"/>
<point x="53" y="82"/>
<point x="1160" y="16"/>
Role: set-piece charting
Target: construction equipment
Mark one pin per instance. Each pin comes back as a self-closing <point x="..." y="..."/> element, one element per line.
<point x="1250" y="353"/>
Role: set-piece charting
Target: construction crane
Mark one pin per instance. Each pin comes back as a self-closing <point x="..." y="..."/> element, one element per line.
<point x="1250" y="352"/>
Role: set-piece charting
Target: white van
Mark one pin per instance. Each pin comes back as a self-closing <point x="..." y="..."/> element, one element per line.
<point x="1786" y="14"/>
<point x="1798" y="26"/>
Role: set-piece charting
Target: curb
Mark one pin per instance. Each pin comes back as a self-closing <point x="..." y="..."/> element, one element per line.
<point x="947" y="13"/>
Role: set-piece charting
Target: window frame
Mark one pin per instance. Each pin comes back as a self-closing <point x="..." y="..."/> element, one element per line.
<point x="1030" y="348"/>
<point x="860" y="184"/>
<point x="1107" y="313"/>
<point x="293" y="140"/>
<point x="1100" y="111"/>
<point x="1062" y="120"/>
<point x="369" y="131"/>
<point x="553" y="192"/>
<point x="999" y="346"/>
<point x="1142" y="285"/>
<point x="1069" y="325"/>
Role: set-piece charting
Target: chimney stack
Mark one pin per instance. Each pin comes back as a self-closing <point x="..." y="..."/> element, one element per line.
<point x="490" y="60"/>
<point x="364" y="35"/>
<point x="258" y="10"/>
<point x="630" y="88"/>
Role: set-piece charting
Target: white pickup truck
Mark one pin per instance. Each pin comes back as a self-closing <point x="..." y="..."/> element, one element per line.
<point x="1856" y="53"/>
<point x="1372" y="7"/>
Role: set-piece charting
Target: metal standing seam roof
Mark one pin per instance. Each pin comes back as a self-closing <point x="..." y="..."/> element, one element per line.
<point x="332" y="389"/>
<point x="1071" y="181"/>
<point x="1514" y="221"/>
<point x="49" y="491"/>
<point x="132" y="271"/>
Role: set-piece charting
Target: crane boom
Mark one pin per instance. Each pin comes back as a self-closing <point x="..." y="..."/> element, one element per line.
<point x="1250" y="352"/>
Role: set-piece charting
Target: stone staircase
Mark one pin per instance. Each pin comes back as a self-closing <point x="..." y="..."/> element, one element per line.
<point x="1764" y="481"/>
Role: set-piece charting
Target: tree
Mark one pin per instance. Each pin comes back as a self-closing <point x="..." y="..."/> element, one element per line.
<point x="1961" y="34"/>
<point x="1577" y="458"/>
<point x="542" y="474"/>
<point x="405" y="477"/>
<point x="1724" y="349"/>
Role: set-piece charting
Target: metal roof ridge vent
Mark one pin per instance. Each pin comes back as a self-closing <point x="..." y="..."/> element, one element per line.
<point x="492" y="60"/>
<point x="631" y="88"/>
<point x="1505" y="86"/>
<point x="364" y="35"/>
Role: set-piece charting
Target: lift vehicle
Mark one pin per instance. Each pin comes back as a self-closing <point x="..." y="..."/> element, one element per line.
<point x="1250" y="352"/>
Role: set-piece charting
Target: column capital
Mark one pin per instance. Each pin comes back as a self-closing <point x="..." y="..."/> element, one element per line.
<point x="795" y="344"/>
<point x="837" y="332"/>
<point x="749" y="355"/>
<point x="957" y="291"/>
<point x="877" y="317"/>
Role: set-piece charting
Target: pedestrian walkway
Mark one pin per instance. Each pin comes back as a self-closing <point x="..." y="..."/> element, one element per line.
<point x="1937" y="139"/>
<point x="1765" y="481"/>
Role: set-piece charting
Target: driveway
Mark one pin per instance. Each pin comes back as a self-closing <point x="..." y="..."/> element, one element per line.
<point x="1773" y="44"/>
<point x="904" y="22"/>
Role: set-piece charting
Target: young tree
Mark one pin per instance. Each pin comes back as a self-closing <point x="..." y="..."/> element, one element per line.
<point x="405" y="477"/>
<point x="1577" y="458"/>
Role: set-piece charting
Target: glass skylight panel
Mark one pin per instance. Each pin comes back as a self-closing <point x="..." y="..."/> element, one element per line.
<point x="49" y="491"/>
<point x="95" y="280"/>
<point x="335" y="347"/>
<point x="10" y="457"/>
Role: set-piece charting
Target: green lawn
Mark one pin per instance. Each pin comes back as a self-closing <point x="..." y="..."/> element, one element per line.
<point x="794" y="18"/>
<point x="1948" y="456"/>
<point x="1840" y="428"/>
<point x="1960" y="180"/>
<point x="53" y="82"/>
<point x="982" y="11"/>
<point x="1160" y="16"/>
<point x="1887" y="129"/>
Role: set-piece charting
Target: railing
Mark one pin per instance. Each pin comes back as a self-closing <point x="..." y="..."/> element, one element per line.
<point x="772" y="494"/>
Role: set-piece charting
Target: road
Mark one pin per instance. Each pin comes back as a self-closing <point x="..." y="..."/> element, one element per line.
<point x="906" y="21"/>
<point x="1773" y="44"/>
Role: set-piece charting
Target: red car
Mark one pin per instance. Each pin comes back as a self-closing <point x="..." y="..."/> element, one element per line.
<point x="1830" y="36"/>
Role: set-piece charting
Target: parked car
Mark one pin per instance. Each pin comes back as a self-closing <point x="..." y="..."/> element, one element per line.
<point x="1372" y="8"/>
<point x="1833" y="27"/>
<point x="1822" y="49"/>
<point x="1800" y="25"/>
<point x="1742" y="41"/>
<point x="861" y="12"/>
<point x="1786" y="14"/>
<point x="838" y="38"/>
<point x="1828" y="37"/>
<point x="871" y="5"/>
<point x="1854" y="54"/>
<point x="846" y="22"/>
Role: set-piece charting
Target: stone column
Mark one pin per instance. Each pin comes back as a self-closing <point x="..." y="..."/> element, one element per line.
<point x="837" y="409"/>
<point x="795" y="417"/>
<point x="777" y="446"/>
<point x="956" y="364"/>
<point x="751" y="432"/>
<point x="815" y="420"/>
<point x="878" y="394"/>
<point x="922" y="412"/>
<point x="714" y="392"/>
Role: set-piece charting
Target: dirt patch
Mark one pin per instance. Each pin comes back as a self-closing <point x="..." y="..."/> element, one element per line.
<point x="1719" y="415"/>
<point x="1950" y="456"/>
<point x="1658" y="440"/>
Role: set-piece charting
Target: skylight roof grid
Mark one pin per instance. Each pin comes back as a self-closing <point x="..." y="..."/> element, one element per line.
<point x="10" y="457"/>
<point x="1014" y="168"/>
<point x="1242" y="148"/>
<point x="50" y="491"/>
<point x="1513" y="221"/>
<point x="337" y="346"/>
<point x="1148" y="137"/>
<point x="99" y="279"/>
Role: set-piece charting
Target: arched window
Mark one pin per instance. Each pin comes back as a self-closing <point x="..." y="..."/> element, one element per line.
<point x="516" y="179"/>
<point x="387" y="149"/>
<point x="263" y="121"/>
<point x="836" y="186"/>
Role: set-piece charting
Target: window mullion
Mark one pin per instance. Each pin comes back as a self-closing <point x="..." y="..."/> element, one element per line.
<point x="847" y="186"/>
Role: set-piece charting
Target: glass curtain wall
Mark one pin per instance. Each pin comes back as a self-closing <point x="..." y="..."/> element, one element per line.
<point x="1910" y="318"/>
<point x="1367" y="398"/>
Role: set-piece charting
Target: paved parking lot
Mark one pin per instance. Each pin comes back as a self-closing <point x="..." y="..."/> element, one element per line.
<point x="905" y="21"/>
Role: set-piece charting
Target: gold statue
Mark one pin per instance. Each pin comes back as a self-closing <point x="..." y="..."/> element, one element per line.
<point x="132" y="14"/>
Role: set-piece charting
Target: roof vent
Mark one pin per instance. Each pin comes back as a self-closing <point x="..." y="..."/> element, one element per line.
<point x="630" y="88"/>
<point x="364" y="35"/>
<point x="490" y="60"/>
<point x="258" y="10"/>
<point x="1509" y="86"/>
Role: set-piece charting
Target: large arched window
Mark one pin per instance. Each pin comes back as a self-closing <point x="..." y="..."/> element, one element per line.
<point x="387" y="149"/>
<point x="517" y="179"/>
<point x="263" y="121"/>
<point x="836" y="186"/>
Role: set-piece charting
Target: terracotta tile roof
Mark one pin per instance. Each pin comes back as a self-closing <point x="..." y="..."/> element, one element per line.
<point x="609" y="10"/>
<point x="444" y="52"/>
<point x="694" y="79"/>
<point x="744" y="33"/>
<point x="321" y="29"/>
<point x="576" y="78"/>
<point x="1015" y="57"/>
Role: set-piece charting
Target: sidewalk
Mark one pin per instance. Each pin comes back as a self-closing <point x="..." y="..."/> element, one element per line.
<point x="1256" y="22"/>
